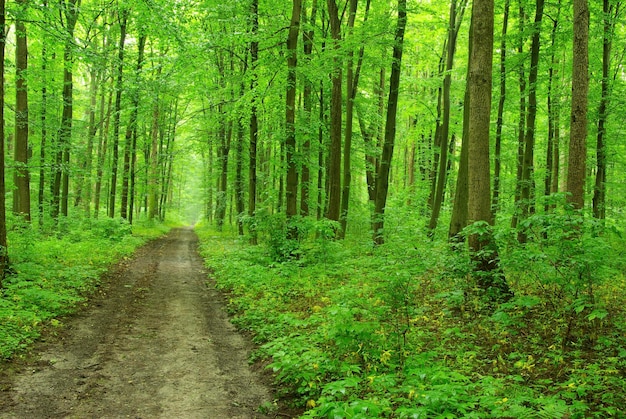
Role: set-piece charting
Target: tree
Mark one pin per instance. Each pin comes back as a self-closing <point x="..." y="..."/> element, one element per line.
<point x="455" y="20"/>
<point x="21" y="175"/>
<point x="254" y="121"/>
<point x="610" y="13"/>
<point x="336" y="116"/>
<point x="290" y="116"/>
<point x="576" y="167"/>
<point x="483" y="248"/>
<point x="123" y="18"/>
<point x="382" y="177"/>
<point x="4" y="256"/>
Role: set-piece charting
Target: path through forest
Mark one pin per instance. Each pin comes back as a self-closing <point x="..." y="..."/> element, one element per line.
<point x="154" y="343"/>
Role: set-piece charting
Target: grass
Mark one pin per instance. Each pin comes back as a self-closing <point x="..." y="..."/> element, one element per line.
<point x="52" y="275"/>
<point x="400" y="332"/>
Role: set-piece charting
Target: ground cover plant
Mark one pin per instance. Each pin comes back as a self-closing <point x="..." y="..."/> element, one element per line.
<point x="353" y="331"/>
<point x="52" y="275"/>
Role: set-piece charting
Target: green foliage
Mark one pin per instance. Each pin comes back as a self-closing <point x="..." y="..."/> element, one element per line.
<point x="51" y="276"/>
<point x="395" y="332"/>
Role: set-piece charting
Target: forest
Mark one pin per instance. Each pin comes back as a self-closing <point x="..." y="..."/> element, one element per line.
<point x="415" y="207"/>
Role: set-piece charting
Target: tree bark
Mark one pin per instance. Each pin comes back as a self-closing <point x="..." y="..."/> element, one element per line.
<point x="576" y="170"/>
<point x="334" y="158"/>
<point x="117" y="112"/>
<point x="21" y="175"/>
<point x="4" y="256"/>
<point x="290" y="118"/>
<point x="382" y="178"/>
<point x="254" y="123"/>
<point x="483" y="248"/>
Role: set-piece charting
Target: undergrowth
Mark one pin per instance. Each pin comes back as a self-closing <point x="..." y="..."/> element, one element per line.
<point x="52" y="274"/>
<point x="399" y="331"/>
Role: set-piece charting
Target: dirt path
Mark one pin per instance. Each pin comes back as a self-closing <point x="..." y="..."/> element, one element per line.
<point x="155" y="343"/>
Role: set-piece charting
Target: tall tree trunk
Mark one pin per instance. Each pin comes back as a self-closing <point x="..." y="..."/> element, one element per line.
<point x="521" y="126"/>
<point x="71" y="13"/>
<point x="21" y="175"/>
<point x="153" y="175"/>
<point x="495" y="202"/>
<point x="290" y="117"/>
<point x="552" y="148"/>
<point x="4" y="256"/>
<point x="527" y="188"/>
<point x="382" y="178"/>
<point x="483" y="248"/>
<point x="133" y="125"/>
<point x="118" y="110"/>
<point x="131" y="138"/>
<point x="458" y="221"/>
<point x="103" y="137"/>
<point x="44" y="128"/>
<point x="576" y="169"/>
<point x="455" y="20"/>
<point x="305" y="182"/>
<point x="334" y="158"/>
<point x="599" y="192"/>
<point x="254" y="122"/>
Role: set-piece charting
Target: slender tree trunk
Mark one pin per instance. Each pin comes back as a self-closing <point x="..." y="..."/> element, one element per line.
<point x="576" y="168"/>
<point x="105" y="118"/>
<point x="552" y="154"/>
<point x="4" y="256"/>
<point x="21" y="175"/>
<point x="116" y="115"/>
<point x="305" y="182"/>
<point x="254" y="123"/>
<point x="495" y="202"/>
<point x="599" y="195"/>
<point x="521" y="126"/>
<point x="483" y="248"/>
<point x="44" y="127"/>
<point x="527" y="188"/>
<point x="153" y="175"/>
<point x="334" y="158"/>
<point x="290" y="117"/>
<point x="382" y="178"/>
<point x="455" y="19"/>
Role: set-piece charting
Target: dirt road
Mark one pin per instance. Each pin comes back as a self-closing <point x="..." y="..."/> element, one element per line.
<point x="154" y="343"/>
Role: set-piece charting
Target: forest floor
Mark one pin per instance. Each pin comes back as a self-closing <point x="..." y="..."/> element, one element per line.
<point x="154" y="341"/>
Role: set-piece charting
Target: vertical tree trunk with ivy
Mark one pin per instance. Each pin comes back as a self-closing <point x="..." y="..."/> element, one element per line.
<point x="576" y="168"/>
<point x="484" y="253"/>
<point x="382" y="178"/>
<point x="21" y="176"/>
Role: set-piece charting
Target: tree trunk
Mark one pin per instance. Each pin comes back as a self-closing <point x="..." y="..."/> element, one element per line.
<point x="116" y="115"/>
<point x="599" y="195"/>
<point x="102" y="146"/>
<point x="4" y="256"/>
<point x="334" y="158"/>
<point x="455" y="19"/>
<point x="254" y="123"/>
<point x="290" y="118"/>
<point x="382" y="178"/>
<point x="495" y="202"/>
<point x="527" y="187"/>
<point x="483" y="248"/>
<point x="21" y="175"/>
<point x="576" y="169"/>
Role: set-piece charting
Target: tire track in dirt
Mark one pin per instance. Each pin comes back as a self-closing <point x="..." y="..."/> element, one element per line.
<point x="155" y="343"/>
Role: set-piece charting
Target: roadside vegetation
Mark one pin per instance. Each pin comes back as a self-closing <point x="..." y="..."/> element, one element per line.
<point x="52" y="274"/>
<point x="356" y="331"/>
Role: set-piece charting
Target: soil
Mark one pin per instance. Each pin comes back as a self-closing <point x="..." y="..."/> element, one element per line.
<point x="153" y="342"/>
